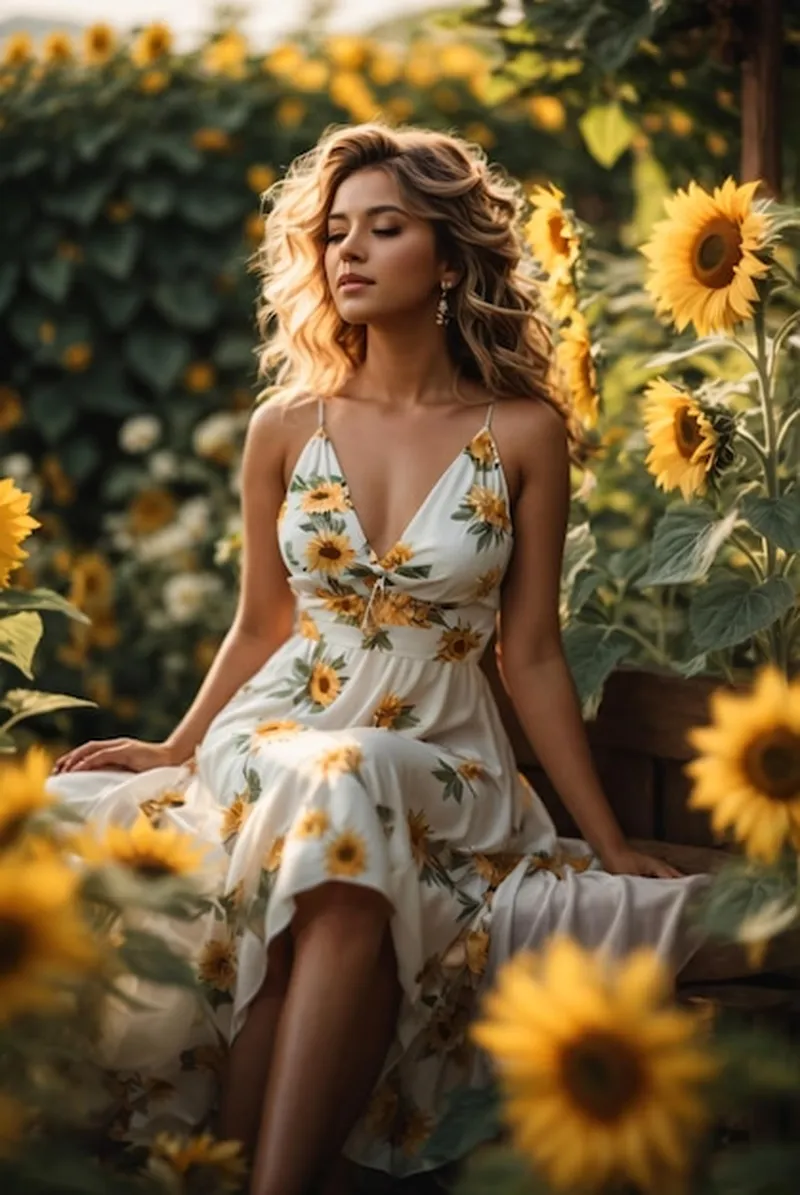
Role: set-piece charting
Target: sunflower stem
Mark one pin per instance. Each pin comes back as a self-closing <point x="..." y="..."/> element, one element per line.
<point x="758" y="567"/>
<point x="754" y="443"/>
<point x="777" y="343"/>
<point x="779" y="655"/>
<point x="786" y="427"/>
<point x="632" y="633"/>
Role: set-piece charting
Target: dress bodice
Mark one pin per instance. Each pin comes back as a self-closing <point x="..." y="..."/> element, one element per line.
<point x="435" y="593"/>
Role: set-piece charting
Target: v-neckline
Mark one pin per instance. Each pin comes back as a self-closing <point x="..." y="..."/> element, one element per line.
<point x="374" y="557"/>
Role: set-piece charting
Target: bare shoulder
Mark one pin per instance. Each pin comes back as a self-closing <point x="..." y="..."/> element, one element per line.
<point x="278" y="429"/>
<point x="531" y="438"/>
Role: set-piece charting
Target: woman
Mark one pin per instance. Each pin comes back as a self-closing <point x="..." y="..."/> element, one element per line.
<point x="345" y="746"/>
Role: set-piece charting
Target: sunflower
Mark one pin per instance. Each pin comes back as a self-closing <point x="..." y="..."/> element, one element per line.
<point x="18" y="49"/>
<point x="57" y="48"/>
<point x="274" y="853"/>
<point x="551" y="232"/>
<point x="397" y="556"/>
<point x="347" y="605"/>
<point x="388" y="710"/>
<point x="489" y="507"/>
<point x="419" y="835"/>
<point x="43" y="939"/>
<point x="603" y="1080"/>
<point x="22" y="793"/>
<point x="313" y="823"/>
<point x="487" y="582"/>
<point x="574" y="359"/>
<point x="153" y="807"/>
<point x="477" y="951"/>
<point x="259" y="179"/>
<point x="307" y="627"/>
<point x="457" y="643"/>
<point x="689" y="440"/>
<point x="494" y="868"/>
<point x="216" y="965"/>
<point x="471" y="769"/>
<point x="481" y="449"/>
<point x="226" y="55"/>
<point x="346" y="855"/>
<point x="11" y="411"/>
<point x="705" y="257"/>
<point x="559" y="294"/>
<point x="329" y="553"/>
<point x="92" y="583"/>
<point x="324" y="684"/>
<point x="99" y="44"/>
<point x="151" y="510"/>
<point x="15" y="526"/>
<point x="221" y="1160"/>
<point x="276" y="728"/>
<point x="329" y="497"/>
<point x="340" y="761"/>
<point x="151" y="853"/>
<point x="234" y="817"/>
<point x="152" y="43"/>
<point x="748" y="772"/>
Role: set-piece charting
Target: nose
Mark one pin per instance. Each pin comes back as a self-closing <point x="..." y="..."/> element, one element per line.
<point x="350" y="248"/>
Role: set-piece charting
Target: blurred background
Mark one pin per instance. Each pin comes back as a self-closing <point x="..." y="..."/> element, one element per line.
<point x="132" y="160"/>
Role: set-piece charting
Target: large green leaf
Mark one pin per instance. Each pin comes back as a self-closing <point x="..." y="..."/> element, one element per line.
<point x="81" y="202"/>
<point x="51" y="410"/>
<point x="19" y="638"/>
<point x="187" y="303"/>
<point x="472" y="1116"/>
<point x="607" y="131"/>
<point x="709" y="344"/>
<point x="30" y="703"/>
<point x="114" y="249"/>
<point x="776" y="518"/>
<point x="25" y="320"/>
<point x="685" y="543"/>
<point x="731" y="610"/>
<point x="148" y="956"/>
<point x="12" y="600"/>
<point x="158" y="356"/>
<point x="593" y="653"/>
<point x="117" y="301"/>
<point x="80" y="456"/>
<point x="52" y="277"/>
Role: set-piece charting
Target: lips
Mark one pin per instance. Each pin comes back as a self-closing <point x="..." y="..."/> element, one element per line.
<point x="354" y="280"/>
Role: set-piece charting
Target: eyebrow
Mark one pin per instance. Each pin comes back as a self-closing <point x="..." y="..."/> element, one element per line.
<point x="372" y="211"/>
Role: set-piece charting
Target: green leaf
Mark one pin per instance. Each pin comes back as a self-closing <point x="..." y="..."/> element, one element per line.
<point x="187" y="303"/>
<point x="30" y="703"/>
<point x="776" y="518"/>
<point x="19" y="637"/>
<point x="148" y="956"/>
<point x="80" y="457"/>
<point x="472" y="1116"/>
<point x="607" y="132"/>
<point x="96" y="136"/>
<point x="593" y="653"/>
<point x="118" y="302"/>
<point x="173" y="147"/>
<point x="51" y="410"/>
<point x="40" y="599"/>
<point x="234" y="350"/>
<point x="114" y="250"/>
<point x="52" y="278"/>
<point x="729" y="611"/>
<point x="158" y="356"/>
<point x="709" y="344"/>
<point x="153" y="196"/>
<point x="740" y="890"/>
<point x="579" y="549"/>
<point x="651" y="187"/>
<point x="81" y="202"/>
<point x="28" y="160"/>
<point x="8" y="744"/>
<point x="685" y="543"/>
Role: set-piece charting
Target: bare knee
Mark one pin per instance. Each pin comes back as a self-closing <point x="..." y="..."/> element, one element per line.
<point x="350" y="908"/>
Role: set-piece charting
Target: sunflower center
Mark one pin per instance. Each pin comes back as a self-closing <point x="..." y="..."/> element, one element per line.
<point x="14" y="944"/>
<point x="772" y="762"/>
<point x="718" y="252"/>
<point x="603" y="1075"/>
<point x="555" y="228"/>
<point x="688" y="434"/>
<point x="330" y="552"/>
<point x="10" y="830"/>
<point x="150" y="867"/>
<point x="346" y="853"/>
<point x="323" y="684"/>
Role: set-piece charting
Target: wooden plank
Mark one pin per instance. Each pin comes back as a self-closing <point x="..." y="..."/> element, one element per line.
<point x="647" y="712"/>
<point x="627" y="780"/>
<point x="679" y="823"/>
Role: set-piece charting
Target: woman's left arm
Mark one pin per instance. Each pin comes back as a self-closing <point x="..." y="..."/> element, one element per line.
<point x="531" y="657"/>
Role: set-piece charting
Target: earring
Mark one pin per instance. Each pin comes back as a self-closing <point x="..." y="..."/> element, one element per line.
<point x="442" y="308"/>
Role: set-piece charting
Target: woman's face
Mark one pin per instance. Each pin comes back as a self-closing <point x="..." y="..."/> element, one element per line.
<point x="389" y="254"/>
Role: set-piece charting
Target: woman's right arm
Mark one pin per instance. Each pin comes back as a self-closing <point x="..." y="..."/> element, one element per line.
<point x="263" y="618"/>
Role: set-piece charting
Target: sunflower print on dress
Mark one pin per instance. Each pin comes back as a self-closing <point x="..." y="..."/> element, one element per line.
<point x="486" y="512"/>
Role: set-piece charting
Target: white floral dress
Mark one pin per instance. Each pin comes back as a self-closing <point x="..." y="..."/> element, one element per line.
<point x="367" y="750"/>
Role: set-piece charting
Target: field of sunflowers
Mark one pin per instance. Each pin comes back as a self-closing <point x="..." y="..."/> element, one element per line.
<point x="132" y="178"/>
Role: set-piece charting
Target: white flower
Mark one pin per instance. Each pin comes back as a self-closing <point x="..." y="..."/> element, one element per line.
<point x="215" y="432"/>
<point x="139" y="433"/>
<point x="195" y="516"/>
<point x="163" y="465"/>
<point x="17" y="466"/>
<point x="186" y="594"/>
<point x="162" y="544"/>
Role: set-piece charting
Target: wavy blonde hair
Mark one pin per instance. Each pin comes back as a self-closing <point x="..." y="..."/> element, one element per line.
<point x="496" y="337"/>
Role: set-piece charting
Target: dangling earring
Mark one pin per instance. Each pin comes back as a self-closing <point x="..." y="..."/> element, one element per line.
<point x="442" y="308"/>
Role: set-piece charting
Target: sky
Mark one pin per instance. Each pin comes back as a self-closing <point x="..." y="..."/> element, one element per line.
<point x="190" y="17"/>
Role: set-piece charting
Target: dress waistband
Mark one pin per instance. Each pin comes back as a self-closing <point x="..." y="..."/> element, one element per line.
<point x="459" y="640"/>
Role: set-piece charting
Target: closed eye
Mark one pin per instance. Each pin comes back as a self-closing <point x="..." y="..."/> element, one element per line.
<point x="333" y="237"/>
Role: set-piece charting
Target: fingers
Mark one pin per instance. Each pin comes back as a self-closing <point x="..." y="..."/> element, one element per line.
<point x="87" y="756"/>
<point x="663" y="871"/>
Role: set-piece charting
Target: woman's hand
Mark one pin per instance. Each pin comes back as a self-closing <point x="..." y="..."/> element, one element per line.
<point x="125" y="755"/>
<point x="628" y="862"/>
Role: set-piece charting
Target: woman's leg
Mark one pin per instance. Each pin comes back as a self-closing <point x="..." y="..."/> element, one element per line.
<point x="337" y="1024"/>
<point x="250" y="1055"/>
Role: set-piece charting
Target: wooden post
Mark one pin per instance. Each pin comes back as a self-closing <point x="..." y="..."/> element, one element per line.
<point x="761" y="95"/>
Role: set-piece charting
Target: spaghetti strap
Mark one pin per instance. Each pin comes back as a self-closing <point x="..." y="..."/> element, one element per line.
<point x="320" y="414"/>
<point x="487" y="423"/>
